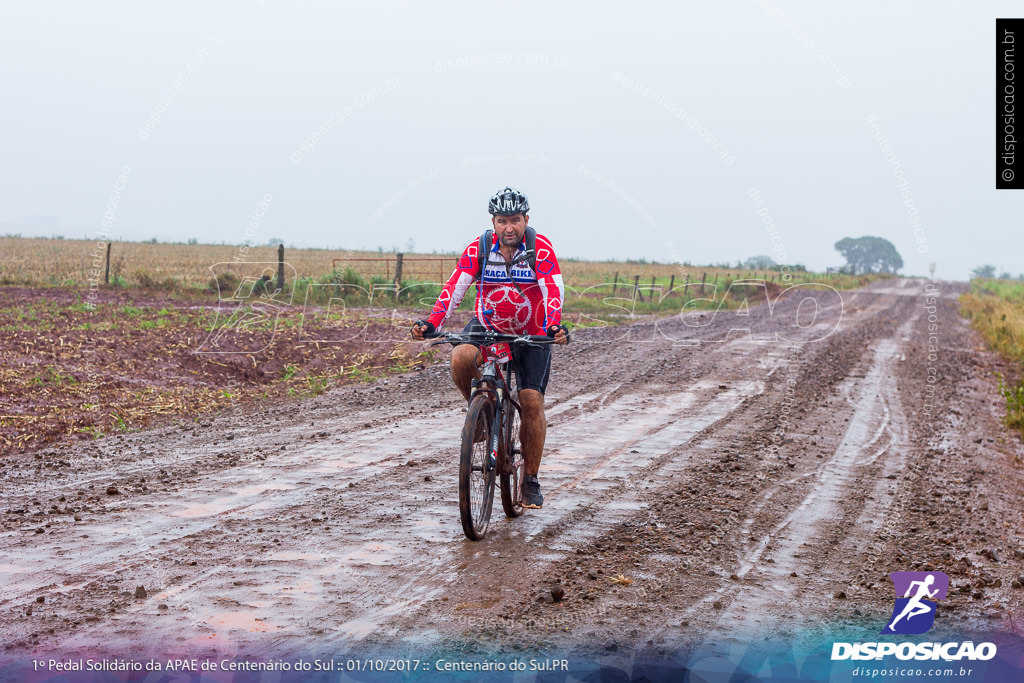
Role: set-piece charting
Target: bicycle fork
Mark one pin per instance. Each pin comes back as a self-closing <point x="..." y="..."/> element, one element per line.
<point x="489" y="376"/>
<point x="492" y="458"/>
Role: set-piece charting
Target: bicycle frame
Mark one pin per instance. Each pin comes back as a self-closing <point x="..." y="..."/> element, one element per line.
<point x="494" y="394"/>
<point x="493" y="382"/>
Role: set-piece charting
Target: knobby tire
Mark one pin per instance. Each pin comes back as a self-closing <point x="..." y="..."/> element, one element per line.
<point x="476" y="483"/>
<point x="513" y="467"/>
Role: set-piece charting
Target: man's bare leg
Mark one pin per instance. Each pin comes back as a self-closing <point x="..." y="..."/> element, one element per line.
<point x="534" y="429"/>
<point x="465" y="368"/>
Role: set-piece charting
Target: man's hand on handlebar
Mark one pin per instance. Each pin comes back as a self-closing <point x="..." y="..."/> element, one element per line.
<point x="559" y="334"/>
<point x="420" y="328"/>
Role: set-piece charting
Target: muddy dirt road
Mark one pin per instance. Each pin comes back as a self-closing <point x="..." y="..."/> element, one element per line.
<point x="699" y="483"/>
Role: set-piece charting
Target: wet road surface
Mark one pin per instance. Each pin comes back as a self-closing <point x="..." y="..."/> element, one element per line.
<point x="702" y="476"/>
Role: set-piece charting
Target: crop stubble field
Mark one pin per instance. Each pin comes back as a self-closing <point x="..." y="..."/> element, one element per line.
<point x="68" y="262"/>
<point x="167" y="341"/>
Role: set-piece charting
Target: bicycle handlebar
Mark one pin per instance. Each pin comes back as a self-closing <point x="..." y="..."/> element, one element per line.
<point x="488" y="337"/>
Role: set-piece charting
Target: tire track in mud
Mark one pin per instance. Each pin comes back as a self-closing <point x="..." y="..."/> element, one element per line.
<point x="573" y="477"/>
<point x="701" y="408"/>
<point x="684" y="552"/>
<point x="232" y="499"/>
<point x="874" y="430"/>
<point x="683" y="567"/>
<point x="225" y="503"/>
<point x="660" y="463"/>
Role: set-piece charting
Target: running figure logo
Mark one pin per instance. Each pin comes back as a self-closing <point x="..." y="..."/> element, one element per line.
<point x="914" y="612"/>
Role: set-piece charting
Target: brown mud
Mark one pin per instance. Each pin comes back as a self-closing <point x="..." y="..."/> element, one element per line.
<point x="75" y="369"/>
<point x="700" y="482"/>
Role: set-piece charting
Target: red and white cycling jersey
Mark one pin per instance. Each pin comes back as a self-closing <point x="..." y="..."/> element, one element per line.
<point x="499" y="305"/>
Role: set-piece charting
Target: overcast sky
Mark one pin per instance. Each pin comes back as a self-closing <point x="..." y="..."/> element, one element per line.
<point x="636" y="129"/>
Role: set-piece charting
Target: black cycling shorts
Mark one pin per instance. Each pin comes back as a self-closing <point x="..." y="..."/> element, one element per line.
<point x="533" y="363"/>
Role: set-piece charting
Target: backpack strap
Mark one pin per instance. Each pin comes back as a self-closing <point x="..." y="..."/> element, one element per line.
<point x="483" y="252"/>
<point x="531" y="248"/>
<point x="486" y="242"/>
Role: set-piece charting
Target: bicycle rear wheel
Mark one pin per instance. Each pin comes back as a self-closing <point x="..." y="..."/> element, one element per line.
<point x="476" y="469"/>
<point x="513" y="467"/>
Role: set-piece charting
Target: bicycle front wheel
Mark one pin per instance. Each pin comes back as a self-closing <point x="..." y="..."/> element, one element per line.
<point x="513" y="466"/>
<point x="476" y="469"/>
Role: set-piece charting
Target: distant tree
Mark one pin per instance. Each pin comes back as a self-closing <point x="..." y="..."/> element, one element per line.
<point x="985" y="271"/>
<point x="274" y="241"/>
<point x="410" y="245"/>
<point x="193" y="240"/>
<point x="760" y="262"/>
<point x="1005" y="276"/>
<point x="870" y="254"/>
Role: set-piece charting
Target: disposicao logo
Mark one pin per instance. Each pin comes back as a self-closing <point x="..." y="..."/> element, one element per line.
<point x="914" y="612"/>
<point x="917" y="594"/>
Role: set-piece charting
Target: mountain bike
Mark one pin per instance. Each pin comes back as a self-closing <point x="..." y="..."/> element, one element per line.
<point x="490" y="437"/>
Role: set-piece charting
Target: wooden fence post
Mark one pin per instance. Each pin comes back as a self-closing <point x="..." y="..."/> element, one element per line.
<point x="280" y="266"/>
<point x="398" y="269"/>
<point x="615" y="285"/>
<point x="636" y="288"/>
<point x="106" y="275"/>
<point x="672" y="283"/>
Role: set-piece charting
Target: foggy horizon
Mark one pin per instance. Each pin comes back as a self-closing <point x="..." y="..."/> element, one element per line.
<point x="636" y="136"/>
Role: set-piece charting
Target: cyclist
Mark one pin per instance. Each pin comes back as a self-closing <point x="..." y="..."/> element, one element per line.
<point x="518" y="292"/>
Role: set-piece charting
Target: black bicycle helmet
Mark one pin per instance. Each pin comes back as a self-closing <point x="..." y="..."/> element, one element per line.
<point x="508" y="202"/>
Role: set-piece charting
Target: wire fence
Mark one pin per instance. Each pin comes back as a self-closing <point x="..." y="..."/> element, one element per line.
<point x="399" y="267"/>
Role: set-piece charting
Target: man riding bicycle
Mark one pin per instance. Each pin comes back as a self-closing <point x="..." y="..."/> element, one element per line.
<point x="519" y="291"/>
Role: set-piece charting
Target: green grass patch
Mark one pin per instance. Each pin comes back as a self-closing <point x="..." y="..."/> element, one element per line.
<point x="996" y="309"/>
<point x="1014" y="396"/>
<point x="52" y="375"/>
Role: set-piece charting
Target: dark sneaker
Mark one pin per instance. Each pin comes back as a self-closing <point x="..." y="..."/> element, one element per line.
<point x="532" y="497"/>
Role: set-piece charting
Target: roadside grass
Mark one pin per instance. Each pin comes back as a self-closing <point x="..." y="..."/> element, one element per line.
<point x="1014" y="396"/>
<point x="996" y="309"/>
